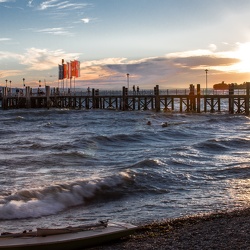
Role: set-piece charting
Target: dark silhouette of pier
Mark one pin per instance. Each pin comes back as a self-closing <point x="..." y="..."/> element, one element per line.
<point x="191" y="100"/>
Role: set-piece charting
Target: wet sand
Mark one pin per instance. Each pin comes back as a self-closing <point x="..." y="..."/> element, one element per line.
<point x="222" y="230"/>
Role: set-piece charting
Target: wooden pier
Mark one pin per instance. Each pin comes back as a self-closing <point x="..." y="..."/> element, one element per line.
<point x="190" y="101"/>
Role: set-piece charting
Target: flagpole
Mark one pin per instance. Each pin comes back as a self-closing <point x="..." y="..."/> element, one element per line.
<point x="74" y="85"/>
<point x="70" y="83"/>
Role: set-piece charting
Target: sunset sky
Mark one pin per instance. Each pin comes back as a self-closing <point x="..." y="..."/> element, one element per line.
<point x="165" y="42"/>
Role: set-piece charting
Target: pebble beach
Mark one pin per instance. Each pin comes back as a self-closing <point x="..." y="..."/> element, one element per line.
<point x="221" y="230"/>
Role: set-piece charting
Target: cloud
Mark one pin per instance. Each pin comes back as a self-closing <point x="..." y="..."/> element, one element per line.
<point x="169" y="71"/>
<point x="184" y="54"/>
<point x="61" y="5"/>
<point x="6" y="5"/>
<point x="85" y="20"/>
<point x="44" y="59"/>
<point x="9" y="55"/>
<point x="180" y="68"/>
<point x="9" y="6"/>
<point x="8" y="73"/>
<point x="73" y="6"/>
<point x="212" y="47"/>
<point x="30" y="3"/>
<point x="98" y="70"/>
<point x="202" y="62"/>
<point x="97" y="73"/>
<point x="62" y="13"/>
<point x="48" y="4"/>
<point x="104" y="62"/>
<point x="61" y="31"/>
<point x="37" y="59"/>
<point x="3" y="39"/>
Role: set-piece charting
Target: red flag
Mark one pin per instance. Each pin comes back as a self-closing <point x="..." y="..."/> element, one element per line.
<point x="69" y="70"/>
<point x="73" y="68"/>
<point x="65" y="71"/>
<point x="77" y="64"/>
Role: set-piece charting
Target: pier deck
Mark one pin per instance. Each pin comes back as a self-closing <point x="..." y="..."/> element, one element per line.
<point x="190" y="101"/>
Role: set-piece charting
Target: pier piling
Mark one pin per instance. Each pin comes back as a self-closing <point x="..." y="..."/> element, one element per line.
<point x="158" y="100"/>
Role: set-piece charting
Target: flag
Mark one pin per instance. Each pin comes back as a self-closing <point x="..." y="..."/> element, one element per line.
<point x="77" y="65"/>
<point x="65" y="71"/>
<point x="69" y="70"/>
<point x="73" y="68"/>
<point x="60" y="75"/>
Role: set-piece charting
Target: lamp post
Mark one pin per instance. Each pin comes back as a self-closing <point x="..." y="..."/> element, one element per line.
<point x="6" y="82"/>
<point x="206" y="70"/>
<point x="23" y="82"/>
<point x="128" y="80"/>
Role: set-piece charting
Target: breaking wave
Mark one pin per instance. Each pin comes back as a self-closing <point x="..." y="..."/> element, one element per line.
<point x="51" y="200"/>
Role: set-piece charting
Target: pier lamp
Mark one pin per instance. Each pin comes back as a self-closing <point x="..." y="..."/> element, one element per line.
<point x="128" y="80"/>
<point x="206" y="70"/>
<point x="23" y="81"/>
<point x="6" y="82"/>
<point x="10" y="84"/>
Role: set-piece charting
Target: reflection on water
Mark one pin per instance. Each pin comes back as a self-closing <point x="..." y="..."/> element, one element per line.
<point x="239" y="191"/>
<point x="66" y="166"/>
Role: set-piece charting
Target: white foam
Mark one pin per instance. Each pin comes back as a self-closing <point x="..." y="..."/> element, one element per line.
<point x="51" y="200"/>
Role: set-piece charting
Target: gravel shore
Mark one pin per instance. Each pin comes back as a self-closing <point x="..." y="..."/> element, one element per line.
<point x="222" y="230"/>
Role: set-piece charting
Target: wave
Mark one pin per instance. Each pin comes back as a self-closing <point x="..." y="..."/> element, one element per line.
<point x="123" y="138"/>
<point x="211" y="145"/>
<point x="7" y="132"/>
<point x="36" y="143"/>
<point x="148" y="163"/>
<point x="10" y="121"/>
<point x="54" y="199"/>
<point x="235" y="172"/>
<point x="71" y="154"/>
<point x="147" y="177"/>
<point x="155" y="177"/>
<point x="223" y="144"/>
<point x="236" y="143"/>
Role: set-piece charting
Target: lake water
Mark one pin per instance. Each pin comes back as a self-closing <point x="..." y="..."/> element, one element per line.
<point x="70" y="167"/>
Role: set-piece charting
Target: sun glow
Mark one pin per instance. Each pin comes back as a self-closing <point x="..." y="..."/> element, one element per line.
<point x="243" y="54"/>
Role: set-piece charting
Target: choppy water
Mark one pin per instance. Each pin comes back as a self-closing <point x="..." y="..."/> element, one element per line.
<point x="68" y="167"/>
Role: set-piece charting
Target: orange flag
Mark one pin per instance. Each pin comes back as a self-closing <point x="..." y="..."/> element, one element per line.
<point x="77" y="64"/>
<point x="65" y="70"/>
<point x="73" y="68"/>
<point x="69" y="75"/>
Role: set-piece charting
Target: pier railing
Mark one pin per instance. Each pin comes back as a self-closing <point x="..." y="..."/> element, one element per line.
<point x="12" y="92"/>
<point x="170" y="100"/>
